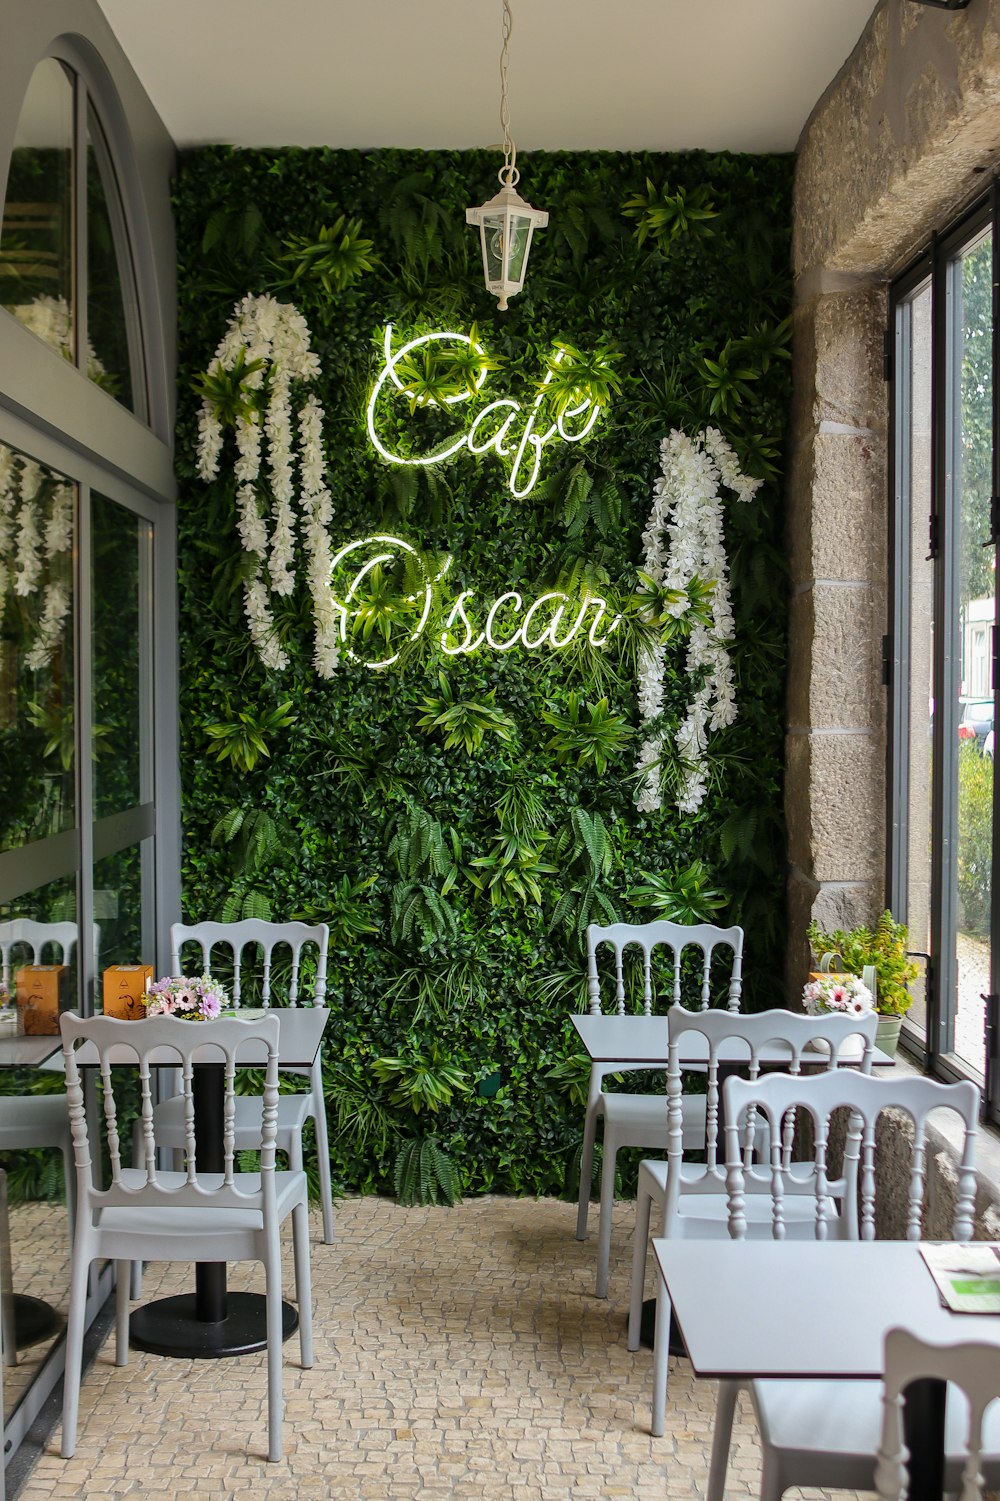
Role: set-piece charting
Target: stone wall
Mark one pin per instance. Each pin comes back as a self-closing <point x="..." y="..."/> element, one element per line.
<point x="896" y="145"/>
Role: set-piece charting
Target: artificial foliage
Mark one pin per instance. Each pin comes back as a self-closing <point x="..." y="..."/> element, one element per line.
<point x="458" y="820"/>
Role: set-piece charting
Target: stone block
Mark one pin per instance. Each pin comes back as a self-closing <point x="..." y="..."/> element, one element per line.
<point x="848" y="508"/>
<point x="833" y="805"/>
<point x="830" y="666"/>
<point x="849" y="388"/>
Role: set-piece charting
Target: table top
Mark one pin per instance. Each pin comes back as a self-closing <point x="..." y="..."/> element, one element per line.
<point x="27" y="1052"/>
<point x="299" y="1037"/>
<point x="804" y="1308"/>
<point x="643" y="1040"/>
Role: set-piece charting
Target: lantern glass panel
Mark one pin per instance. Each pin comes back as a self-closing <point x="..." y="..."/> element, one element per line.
<point x="520" y="234"/>
<point x="493" y="237"/>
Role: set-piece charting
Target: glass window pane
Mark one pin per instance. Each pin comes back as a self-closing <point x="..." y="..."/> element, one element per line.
<point x="36" y="236"/>
<point x="914" y="465"/>
<point x="972" y="452"/>
<point x="37" y="676"/>
<point x="121" y="632"/>
<point x="120" y="885"/>
<point x="38" y="928"/>
<point x="112" y="309"/>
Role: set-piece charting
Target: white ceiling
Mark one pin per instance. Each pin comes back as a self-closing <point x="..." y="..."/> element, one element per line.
<point x="620" y="74"/>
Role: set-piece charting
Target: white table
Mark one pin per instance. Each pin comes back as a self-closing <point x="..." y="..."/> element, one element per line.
<point x="211" y="1322"/>
<point x="801" y="1309"/>
<point x="642" y="1040"/>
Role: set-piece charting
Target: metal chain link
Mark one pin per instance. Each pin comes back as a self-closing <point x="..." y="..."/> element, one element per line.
<point x="508" y="173"/>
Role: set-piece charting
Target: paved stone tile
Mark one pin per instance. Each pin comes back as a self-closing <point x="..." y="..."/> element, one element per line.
<point x="460" y="1356"/>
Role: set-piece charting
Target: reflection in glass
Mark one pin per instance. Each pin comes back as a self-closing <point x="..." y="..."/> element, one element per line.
<point x="121" y="633"/>
<point x="36" y="234"/>
<point x="972" y="426"/>
<point x="37" y="522"/>
<point x="112" y="309"/>
<point x="118" y="907"/>
<point x="915" y="484"/>
<point x="39" y="927"/>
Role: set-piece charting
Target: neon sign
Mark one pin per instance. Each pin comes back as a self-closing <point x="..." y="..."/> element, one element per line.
<point x="492" y="427"/>
<point x="507" y="623"/>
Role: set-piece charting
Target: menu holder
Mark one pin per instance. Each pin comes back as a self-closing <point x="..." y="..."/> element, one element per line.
<point x="967" y="1276"/>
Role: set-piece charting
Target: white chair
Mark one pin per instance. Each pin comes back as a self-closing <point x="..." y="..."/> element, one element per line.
<point x="818" y="1432"/>
<point x="39" y="1120"/>
<point x="693" y="1197"/>
<point x="635" y="1120"/>
<point x="972" y="1442"/>
<point x="148" y="1214"/>
<point x="293" y="1109"/>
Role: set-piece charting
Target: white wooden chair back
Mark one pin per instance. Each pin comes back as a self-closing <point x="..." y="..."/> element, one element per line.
<point x="674" y="936"/>
<point x="973" y="1368"/>
<point x="184" y="1045"/>
<point x="812" y="1041"/>
<point x="776" y="1097"/>
<point x="37" y="936"/>
<point x="251" y="933"/>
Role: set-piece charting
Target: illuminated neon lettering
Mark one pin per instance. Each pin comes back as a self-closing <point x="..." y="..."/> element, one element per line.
<point x="495" y="609"/>
<point x="528" y="451"/>
<point x="459" y="636"/>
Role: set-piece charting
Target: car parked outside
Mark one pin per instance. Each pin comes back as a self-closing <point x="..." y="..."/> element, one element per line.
<point x="988" y="746"/>
<point x="976" y="720"/>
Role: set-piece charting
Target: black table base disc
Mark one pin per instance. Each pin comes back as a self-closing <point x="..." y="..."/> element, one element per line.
<point x="170" y="1327"/>
<point x="34" y="1320"/>
<point x="647" y="1329"/>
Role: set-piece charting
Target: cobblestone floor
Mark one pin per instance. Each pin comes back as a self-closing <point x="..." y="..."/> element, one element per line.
<point x="460" y="1353"/>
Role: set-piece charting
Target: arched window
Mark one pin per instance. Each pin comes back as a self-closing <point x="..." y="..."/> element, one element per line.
<point x="66" y="265"/>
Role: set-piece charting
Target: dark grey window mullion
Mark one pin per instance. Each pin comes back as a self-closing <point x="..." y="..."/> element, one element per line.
<point x="80" y="222"/>
<point x="899" y="680"/>
<point x="84" y="753"/>
<point x="948" y="432"/>
<point x="992" y="1101"/>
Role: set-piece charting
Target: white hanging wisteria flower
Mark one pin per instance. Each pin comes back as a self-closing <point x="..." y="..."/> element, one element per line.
<point x="36" y="534"/>
<point x="684" y="540"/>
<point x="263" y="354"/>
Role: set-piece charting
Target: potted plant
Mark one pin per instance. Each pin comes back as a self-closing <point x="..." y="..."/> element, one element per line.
<point x="878" y="956"/>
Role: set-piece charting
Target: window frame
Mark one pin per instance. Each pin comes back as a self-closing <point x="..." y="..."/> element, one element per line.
<point x="936" y="267"/>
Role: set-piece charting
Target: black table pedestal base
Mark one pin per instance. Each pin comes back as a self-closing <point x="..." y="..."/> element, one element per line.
<point x="170" y="1326"/>
<point x="647" y="1330"/>
<point x="34" y="1320"/>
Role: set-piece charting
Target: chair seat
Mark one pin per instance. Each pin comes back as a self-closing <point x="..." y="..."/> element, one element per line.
<point x="701" y="1215"/>
<point x="842" y="1420"/>
<point x="33" y="1120"/>
<point x="179" y="1222"/>
<point x="293" y="1111"/>
<point x="640" y="1120"/>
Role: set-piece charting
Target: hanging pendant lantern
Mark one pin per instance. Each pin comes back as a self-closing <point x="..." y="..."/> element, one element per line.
<point x="506" y="222"/>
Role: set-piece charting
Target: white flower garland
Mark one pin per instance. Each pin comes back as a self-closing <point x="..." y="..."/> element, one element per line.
<point x="684" y="539"/>
<point x="276" y="334"/>
<point x="36" y="527"/>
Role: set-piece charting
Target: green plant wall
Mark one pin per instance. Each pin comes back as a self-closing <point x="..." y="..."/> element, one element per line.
<point x="459" y="833"/>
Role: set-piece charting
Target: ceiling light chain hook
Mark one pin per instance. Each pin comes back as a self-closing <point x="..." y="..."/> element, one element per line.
<point x="508" y="174"/>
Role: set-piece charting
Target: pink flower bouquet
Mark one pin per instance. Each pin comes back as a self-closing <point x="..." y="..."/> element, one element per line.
<point x="194" y="1000"/>
<point x="838" y="993"/>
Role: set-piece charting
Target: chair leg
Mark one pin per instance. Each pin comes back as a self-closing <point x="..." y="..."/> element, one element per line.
<point x="323" y="1153"/>
<point x="587" y="1153"/>
<point x="79" y="1274"/>
<point x="123" y="1274"/>
<point x="272" y="1280"/>
<point x="303" y="1282"/>
<point x="640" y="1248"/>
<point x="69" y="1174"/>
<point x="8" y="1329"/>
<point x="661" y="1358"/>
<point x="608" y="1157"/>
<point x="725" y="1412"/>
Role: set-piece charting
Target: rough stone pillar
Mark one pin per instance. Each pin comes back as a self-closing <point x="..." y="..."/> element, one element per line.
<point x="899" y="142"/>
<point x="835" y="749"/>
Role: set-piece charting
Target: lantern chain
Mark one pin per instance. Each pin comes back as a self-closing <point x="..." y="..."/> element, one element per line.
<point x="508" y="174"/>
